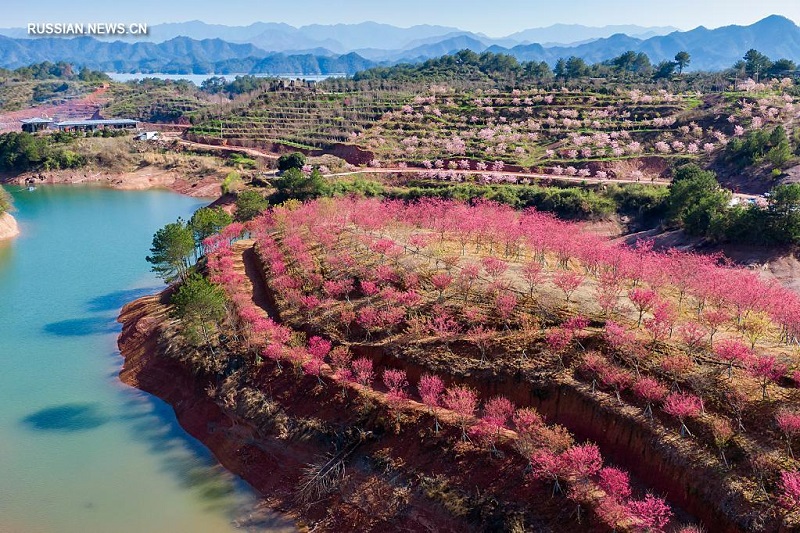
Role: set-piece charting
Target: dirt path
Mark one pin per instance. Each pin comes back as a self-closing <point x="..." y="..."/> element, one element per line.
<point x="246" y="262"/>
<point x="396" y="170"/>
<point x="239" y="149"/>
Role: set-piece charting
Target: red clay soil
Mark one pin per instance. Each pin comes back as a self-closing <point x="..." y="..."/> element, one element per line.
<point x="625" y="438"/>
<point x="273" y="465"/>
<point x="687" y="482"/>
<point x="382" y="490"/>
<point x="79" y="108"/>
<point x="352" y="154"/>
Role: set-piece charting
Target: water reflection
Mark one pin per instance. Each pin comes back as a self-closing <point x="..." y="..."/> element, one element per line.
<point x="79" y="327"/>
<point x="6" y="250"/>
<point x="113" y="301"/>
<point x="153" y="422"/>
<point x="68" y="418"/>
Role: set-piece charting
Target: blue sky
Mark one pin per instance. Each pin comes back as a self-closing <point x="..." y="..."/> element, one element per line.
<point x="493" y="17"/>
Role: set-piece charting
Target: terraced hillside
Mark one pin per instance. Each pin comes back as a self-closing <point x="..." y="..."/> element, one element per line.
<point x="559" y="364"/>
<point x="580" y="133"/>
<point x="300" y="118"/>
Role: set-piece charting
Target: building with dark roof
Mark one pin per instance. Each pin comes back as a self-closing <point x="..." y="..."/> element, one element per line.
<point x="32" y="125"/>
<point x="94" y="124"/>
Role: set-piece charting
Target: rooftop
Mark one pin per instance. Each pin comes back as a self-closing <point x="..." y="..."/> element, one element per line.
<point x="36" y="120"/>
<point x="103" y="122"/>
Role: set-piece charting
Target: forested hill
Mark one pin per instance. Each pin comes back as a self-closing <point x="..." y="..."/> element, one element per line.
<point x="710" y="49"/>
<point x="177" y="56"/>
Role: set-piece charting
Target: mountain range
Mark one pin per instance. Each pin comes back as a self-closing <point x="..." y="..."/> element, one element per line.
<point x="273" y="48"/>
<point x="345" y="38"/>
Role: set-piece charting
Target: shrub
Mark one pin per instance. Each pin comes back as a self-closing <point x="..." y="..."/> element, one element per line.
<point x="249" y="204"/>
<point x="232" y="183"/>
<point x="289" y="161"/>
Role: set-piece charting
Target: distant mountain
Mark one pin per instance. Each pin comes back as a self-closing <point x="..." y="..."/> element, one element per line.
<point x="343" y="38"/>
<point x="94" y="53"/>
<point x="180" y="55"/>
<point x="775" y="36"/>
<point x="372" y="35"/>
<point x="565" y="34"/>
<point x="438" y="49"/>
<point x="592" y="52"/>
<point x="329" y="51"/>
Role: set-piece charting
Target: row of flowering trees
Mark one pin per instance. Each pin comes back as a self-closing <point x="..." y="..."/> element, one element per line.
<point x="562" y="127"/>
<point x="575" y="470"/>
<point x="451" y="271"/>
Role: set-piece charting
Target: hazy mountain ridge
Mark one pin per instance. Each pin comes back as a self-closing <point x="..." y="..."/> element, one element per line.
<point x="343" y="38"/>
<point x="711" y="49"/>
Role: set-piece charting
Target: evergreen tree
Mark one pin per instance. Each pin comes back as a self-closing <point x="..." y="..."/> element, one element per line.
<point x="171" y="251"/>
<point x="682" y="60"/>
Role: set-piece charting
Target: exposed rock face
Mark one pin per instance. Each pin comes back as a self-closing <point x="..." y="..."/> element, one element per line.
<point x="8" y="227"/>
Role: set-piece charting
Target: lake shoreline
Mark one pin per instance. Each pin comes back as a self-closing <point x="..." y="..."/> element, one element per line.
<point x="274" y="457"/>
<point x="147" y="178"/>
<point x="64" y="407"/>
<point x="143" y="368"/>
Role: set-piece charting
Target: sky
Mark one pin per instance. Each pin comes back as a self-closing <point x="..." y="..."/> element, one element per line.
<point x="492" y="17"/>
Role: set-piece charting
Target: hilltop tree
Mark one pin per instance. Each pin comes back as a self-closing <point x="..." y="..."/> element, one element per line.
<point x="170" y="253"/>
<point x="539" y="71"/>
<point x="756" y="63"/>
<point x="576" y="67"/>
<point x="682" y="60"/>
<point x="560" y="69"/>
<point x="664" y="70"/>
<point x="207" y="221"/>
<point x="295" y="184"/>
<point x="782" y="67"/>
<point x="289" y="161"/>
<point x="625" y="62"/>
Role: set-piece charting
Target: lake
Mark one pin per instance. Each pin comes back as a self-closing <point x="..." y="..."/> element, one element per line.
<point x="80" y="451"/>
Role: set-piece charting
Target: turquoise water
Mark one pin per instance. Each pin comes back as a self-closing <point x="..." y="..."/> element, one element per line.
<point x="80" y="451"/>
